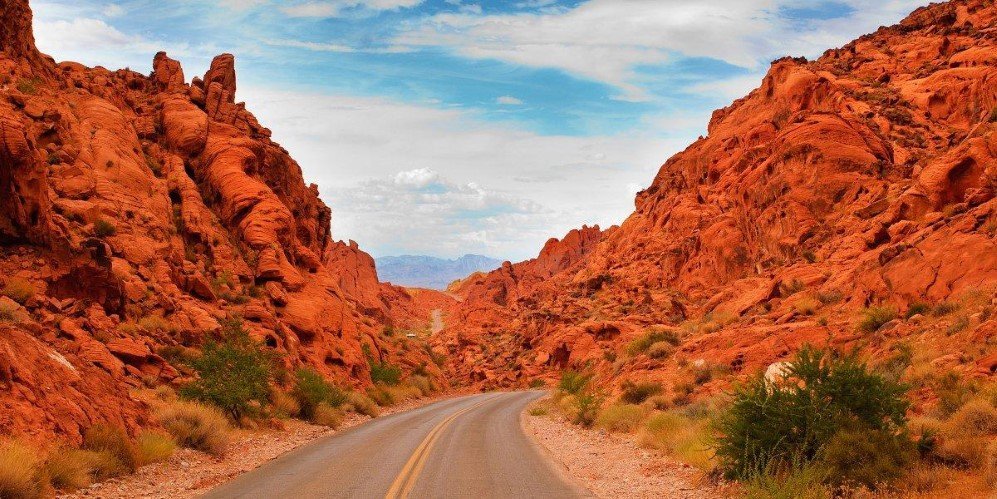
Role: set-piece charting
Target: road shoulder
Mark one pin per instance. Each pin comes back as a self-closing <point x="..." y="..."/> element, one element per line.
<point x="611" y="465"/>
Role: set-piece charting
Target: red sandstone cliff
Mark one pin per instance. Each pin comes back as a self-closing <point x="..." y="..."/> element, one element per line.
<point x="864" y="178"/>
<point x="139" y="211"/>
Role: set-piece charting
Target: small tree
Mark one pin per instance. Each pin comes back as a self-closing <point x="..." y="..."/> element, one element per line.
<point x="233" y="374"/>
<point x="775" y="425"/>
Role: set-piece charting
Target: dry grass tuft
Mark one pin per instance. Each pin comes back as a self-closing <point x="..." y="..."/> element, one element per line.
<point x="362" y="404"/>
<point x="284" y="404"/>
<point x="69" y="469"/>
<point x="154" y="447"/>
<point x="19" y="470"/>
<point x="684" y="438"/>
<point x="327" y="415"/>
<point x="195" y="425"/>
<point x="115" y="442"/>
<point x="621" y="418"/>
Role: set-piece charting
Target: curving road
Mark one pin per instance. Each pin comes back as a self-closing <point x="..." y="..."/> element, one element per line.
<point x="467" y="447"/>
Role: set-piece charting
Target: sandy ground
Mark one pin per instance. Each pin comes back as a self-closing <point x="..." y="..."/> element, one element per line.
<point x="615" y="466"/>
<point x="189" y="473"/>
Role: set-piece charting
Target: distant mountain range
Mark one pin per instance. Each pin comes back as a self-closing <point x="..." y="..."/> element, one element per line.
<point x="430" y="272"/>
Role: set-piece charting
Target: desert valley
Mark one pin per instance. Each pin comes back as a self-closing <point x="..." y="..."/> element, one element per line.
<point x="803" y="302"/>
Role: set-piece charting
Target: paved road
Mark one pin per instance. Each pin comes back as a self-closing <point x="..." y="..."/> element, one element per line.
<point x="468" y="447"/>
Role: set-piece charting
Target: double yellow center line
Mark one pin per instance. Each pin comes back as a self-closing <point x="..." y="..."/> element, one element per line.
<point x="403" y="484"/>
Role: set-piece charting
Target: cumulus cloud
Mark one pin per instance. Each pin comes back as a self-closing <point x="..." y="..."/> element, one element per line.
<point x="410" y="178"/>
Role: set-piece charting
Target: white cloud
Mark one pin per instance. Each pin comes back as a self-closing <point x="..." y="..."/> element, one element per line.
<point x="508" y="100"/>
<point x="113" y="10"/>
<point x="609" y="40"/>
<point x="442" y="181"/>
<point x="333" y="8"/>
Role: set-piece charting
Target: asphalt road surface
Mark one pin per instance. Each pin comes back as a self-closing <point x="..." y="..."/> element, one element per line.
<point x="469" y="447"/>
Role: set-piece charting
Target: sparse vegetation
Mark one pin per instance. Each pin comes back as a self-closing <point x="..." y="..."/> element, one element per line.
<point x="19" y="290"/>
<point x="233" y="374"/>
<point x="19" y="469"/>
<point x="326" y="415"/>
<point x="382" y="371"/>
<point x="637" y="393"/>
<point x="362" y="404"/>
<point x="104" y="228"/>
<point x="917" y="308"/>
<point x="644" y="343"/>
<point x="195" y="426"/>
<point x="311" y="390"/>
<point x="153" y="447"/>
<point x="873" y="318"/>
<point x="688" y="439"/>
<point x="573" y="382"/>
<point x="620" y="417"/>
<point x="120" y="452"/>
<point x="788" y="423"/>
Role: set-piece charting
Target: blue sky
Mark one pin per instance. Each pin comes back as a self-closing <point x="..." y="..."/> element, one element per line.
<point x="443" y="127"/>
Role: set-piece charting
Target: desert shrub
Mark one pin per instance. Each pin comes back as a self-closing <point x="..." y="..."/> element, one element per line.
<point x="959" y="324"/>
<point x="637" y="393"/>
<point x="114" y="441"/>
<point x="8" y="313"/>
<point x="326" y="415"/>
<point x="382" y="396"/>
<point x="233" y="374"/>
<point x="537" y="383"/>
<point x="682" y="437"/>
<point x="154" y="447"/>
<point x="538" y="410"/>
<point x="944" y="308"/>
<point x="382" y="371"/>
<point x="19" y="290"/>
<point x="284" y="404"/>
<point x="104" y="228"/>
<point x="917" y="308"/>
<point x="623" y="418"/>
<point x="69" y="469"/>
<point x="195" y="426"/>
<point x="794" y="483"/>
<point x="990" y="465"/>
<point x="874" y="318"/>
<point x="573" y="382"/>
<point x="977" y="417"/>
<point x="421" y="383"/>
<point x="660" y="350"/>
<point x="588" y="405"/>
<point x="789" y="422"/>
<point x="19" y="470"/>
<point x="362" y="404"/>
<point x="806" y="305"/>
<point x="311" y="389"/>
<point x="952" y="393"/>
<point x="830" y="297"/>
<point x="103" y="465"/>
<point x="643" y="343"/>
<point x="156" y="323"/>
<point x="866" y="457"/>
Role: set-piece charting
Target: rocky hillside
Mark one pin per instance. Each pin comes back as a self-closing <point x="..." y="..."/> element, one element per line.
<point x="857" y="185"/>
<point x="137" y="213"/>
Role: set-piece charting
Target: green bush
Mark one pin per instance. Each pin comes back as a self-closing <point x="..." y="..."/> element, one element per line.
<point x="917" y="308"/>
<point x="311" y="389"/>
<point x="233" y="374"/>
<point x="382" y="372"/>
<point x="103" y="228"/>
<point x="637" y="393"/>
<point x="874" y="318"/>
<point x="641" y="344"/>
<point x="588" y="405"/>
<point x="866" y="457"/>
<point x="778" y="424"/>
<point x="573" y="382"/>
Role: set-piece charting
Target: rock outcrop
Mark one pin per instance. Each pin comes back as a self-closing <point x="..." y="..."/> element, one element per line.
<point x="137" y="213"/>
<point x="864" y="178"/>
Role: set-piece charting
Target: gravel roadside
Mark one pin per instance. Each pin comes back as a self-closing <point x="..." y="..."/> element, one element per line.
<point x="615" y="466"/>
<point x="189" y="473"/>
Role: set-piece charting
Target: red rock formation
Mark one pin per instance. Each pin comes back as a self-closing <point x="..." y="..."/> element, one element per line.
<point x="865" y="177"/>
<point x="144" y="210"/>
